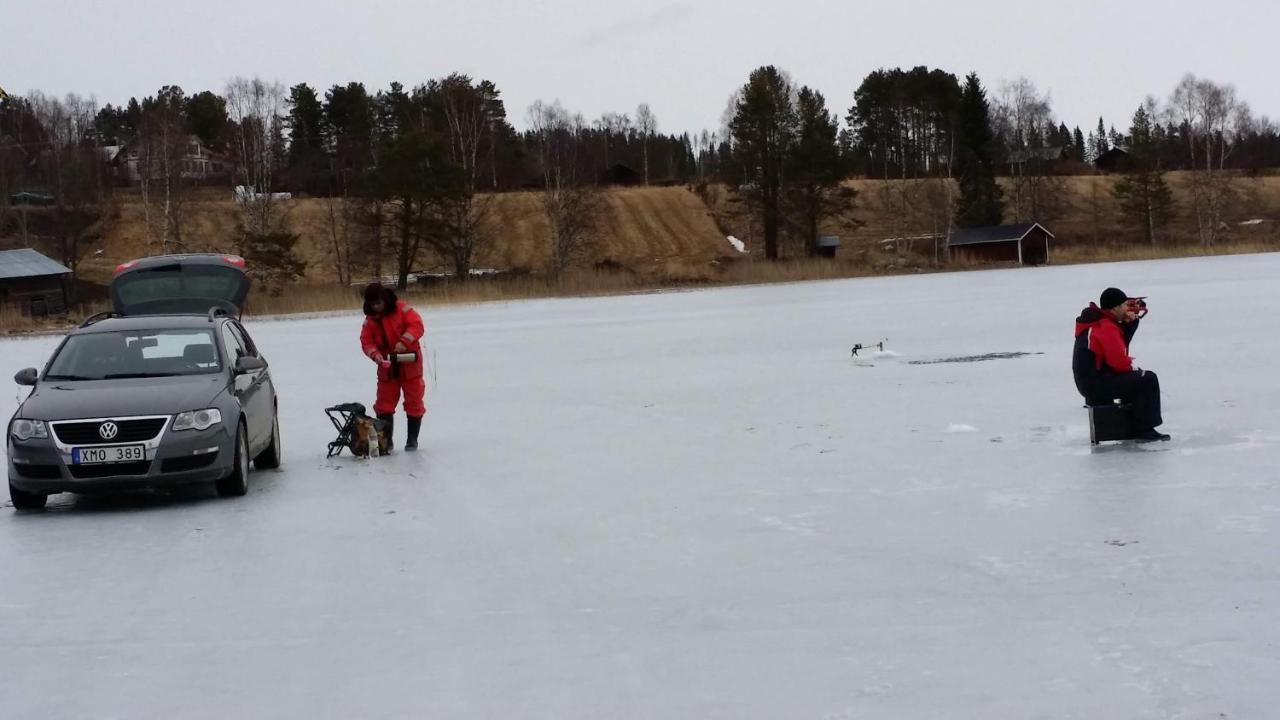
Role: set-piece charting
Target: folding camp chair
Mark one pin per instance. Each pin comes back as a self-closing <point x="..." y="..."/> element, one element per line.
<point x="343" y="418"/>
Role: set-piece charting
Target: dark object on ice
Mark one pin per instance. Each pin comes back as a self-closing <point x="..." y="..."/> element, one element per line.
<point x="1104" y="372"/>
<point x="354" y="431"/>
<point x="1110" y="421"/>
<point x="975" y="358"/>
<point x="1116" y="421"/>
<point x="868" y="346"/>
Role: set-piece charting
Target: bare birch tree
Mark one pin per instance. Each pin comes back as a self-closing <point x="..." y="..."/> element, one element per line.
<point x="257" y="108"/>
<point x="464" y="214"/>
<point x="160" y="145"/>
<point x="1020" y="116"/>
<point x="1214" y="119"/>
<point x="647" y="127"/>
<point x="72" y="170"/>
<point x="571" y="202"/>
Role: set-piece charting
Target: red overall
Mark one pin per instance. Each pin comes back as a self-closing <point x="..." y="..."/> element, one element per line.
<point x="378" y="338"/>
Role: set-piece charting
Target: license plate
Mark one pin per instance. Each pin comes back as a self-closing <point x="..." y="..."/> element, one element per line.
<point x="108" y="454"/>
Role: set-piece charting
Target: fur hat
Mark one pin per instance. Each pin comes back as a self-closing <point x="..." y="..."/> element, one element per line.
<point x="374" y="292"/>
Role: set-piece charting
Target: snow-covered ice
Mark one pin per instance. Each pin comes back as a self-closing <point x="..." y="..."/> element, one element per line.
<point x="692" y="504"/>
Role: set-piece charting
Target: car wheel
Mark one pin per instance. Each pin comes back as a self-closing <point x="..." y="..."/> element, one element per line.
<point x="23" y="500"/>
<point x="269" y="459"/>
<point x="236" y="483"/>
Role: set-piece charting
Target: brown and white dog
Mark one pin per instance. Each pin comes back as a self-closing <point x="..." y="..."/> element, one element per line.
<point x="370" y="438"/>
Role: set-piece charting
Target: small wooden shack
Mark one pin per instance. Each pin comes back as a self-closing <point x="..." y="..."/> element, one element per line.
<point x="33" y="283"/>
<point x="1115" y="160"/>
<point x="1024" y="244"/>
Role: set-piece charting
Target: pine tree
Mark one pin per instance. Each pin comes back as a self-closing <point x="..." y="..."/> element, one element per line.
<point x="306" y="158"/>
<point x="207" y="117"/>
<point x="1081" y="152"/>
<point x="814" y="168"/>
<point x="981" y="203"/>
<point x="763" y="129"/>
<point x="1117" y="140"/>
<point x="1101" y="147"/>
<point x="305" y="121"/>
<point x="1142" y="193"/>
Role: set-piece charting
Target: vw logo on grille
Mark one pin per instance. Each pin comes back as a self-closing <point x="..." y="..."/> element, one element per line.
<point x="108" y="430"/>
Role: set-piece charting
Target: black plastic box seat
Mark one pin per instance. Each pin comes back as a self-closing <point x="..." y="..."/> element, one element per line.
<point x="1110" y="421"/>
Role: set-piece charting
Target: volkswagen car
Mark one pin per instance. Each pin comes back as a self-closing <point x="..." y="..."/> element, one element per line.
<point x="166" y="389"/>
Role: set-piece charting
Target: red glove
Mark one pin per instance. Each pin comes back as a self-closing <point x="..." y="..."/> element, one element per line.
<point x="383" y="363"/>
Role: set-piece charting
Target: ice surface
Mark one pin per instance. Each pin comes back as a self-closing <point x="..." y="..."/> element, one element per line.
<point x="693" y="504"/>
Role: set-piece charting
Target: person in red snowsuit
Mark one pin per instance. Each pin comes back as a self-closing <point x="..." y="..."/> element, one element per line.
<point x="391" y="331"/>
<point x="1103" y="369"/>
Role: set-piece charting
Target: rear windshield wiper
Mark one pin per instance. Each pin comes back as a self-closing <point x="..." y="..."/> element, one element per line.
<point x="125" y="376"/>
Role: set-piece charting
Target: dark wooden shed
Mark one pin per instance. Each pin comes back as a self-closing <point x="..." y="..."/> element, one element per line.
<point x="1113" y="161"/>
<point x="1024" y="244"/>
<point x="33" y="283"/>
<point x="621" y="174"/>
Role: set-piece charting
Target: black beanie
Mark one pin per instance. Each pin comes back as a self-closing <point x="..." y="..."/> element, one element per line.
<point x="1112" y="297"/>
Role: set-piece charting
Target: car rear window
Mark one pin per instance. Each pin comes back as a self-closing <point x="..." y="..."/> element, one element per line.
<point x="177" y="285"/>
<point x="135" y="354"/>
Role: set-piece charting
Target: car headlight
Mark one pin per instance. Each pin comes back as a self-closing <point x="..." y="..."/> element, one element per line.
<point x="197" y="419"/>
<point x="29" y="429"/>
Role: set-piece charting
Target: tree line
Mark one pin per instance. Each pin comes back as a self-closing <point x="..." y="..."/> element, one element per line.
<point x="406" y="170"/>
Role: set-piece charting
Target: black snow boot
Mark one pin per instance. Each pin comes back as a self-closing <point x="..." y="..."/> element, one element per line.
<point x="389" y="422"/>
<point x="1151" y="436"/>
<point x="411" y="441"/>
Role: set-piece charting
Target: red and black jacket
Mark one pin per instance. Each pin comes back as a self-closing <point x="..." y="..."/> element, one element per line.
<point x="1102" y="348"/>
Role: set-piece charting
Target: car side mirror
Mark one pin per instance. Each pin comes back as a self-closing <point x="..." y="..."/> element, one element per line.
<point x="27" y="376"/>
<point x="248" y="364"/>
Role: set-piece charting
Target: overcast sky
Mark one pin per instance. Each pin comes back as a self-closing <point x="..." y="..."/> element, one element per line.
<point x="682" y="57"/>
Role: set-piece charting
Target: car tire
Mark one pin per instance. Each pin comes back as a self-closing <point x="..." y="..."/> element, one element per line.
<point x="269" y="458"/>
<point x="236" y="483"/>
<point x="23" y="500"/>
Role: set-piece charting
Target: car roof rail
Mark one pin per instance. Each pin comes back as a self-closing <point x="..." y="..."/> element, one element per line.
<point x="96" y="317"/>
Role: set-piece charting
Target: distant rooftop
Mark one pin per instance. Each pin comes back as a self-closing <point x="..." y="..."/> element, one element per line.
<point x="997" y="233"/>
<point x="28" y="263"/>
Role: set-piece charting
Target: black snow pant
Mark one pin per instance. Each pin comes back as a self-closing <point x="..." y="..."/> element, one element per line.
<point x="1139" y="389"/>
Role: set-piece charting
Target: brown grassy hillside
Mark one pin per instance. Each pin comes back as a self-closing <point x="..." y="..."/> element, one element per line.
<point x="644" y="229"/>
<point x="673" y="234"/>
<point x="1084" y="214"/>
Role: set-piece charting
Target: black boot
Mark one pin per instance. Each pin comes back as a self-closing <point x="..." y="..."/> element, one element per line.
<point x="389" y="422"/>
<point x="411" y="441"/>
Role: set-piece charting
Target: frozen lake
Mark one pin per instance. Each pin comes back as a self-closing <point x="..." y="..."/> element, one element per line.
<point x="699" y="505"/>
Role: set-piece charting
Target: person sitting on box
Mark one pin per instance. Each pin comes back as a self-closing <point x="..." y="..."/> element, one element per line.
<point x="1103" y="369"/>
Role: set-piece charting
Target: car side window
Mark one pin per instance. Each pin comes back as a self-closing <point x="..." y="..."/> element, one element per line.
<point x="245" y="340"/>
<point x="235" y="348"/>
